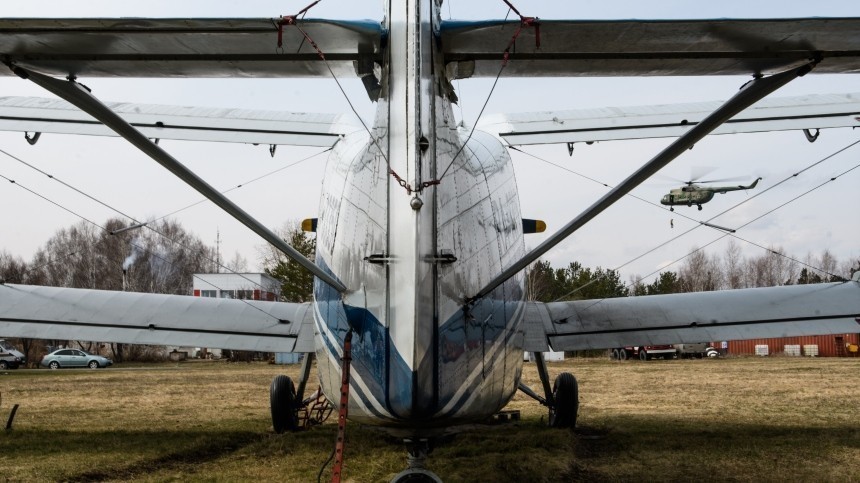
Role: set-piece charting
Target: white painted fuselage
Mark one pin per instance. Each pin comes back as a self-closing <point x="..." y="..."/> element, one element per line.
<point x="422" y="359"/>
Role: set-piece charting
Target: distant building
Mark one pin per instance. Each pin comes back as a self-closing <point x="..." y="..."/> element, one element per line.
<point x="247" y="286"/>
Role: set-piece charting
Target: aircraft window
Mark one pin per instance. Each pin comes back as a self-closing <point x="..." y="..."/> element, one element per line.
<point x="209" y="293"/>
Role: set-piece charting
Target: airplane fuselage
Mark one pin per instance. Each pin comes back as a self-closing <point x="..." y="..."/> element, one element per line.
<point x="411" y="255"/>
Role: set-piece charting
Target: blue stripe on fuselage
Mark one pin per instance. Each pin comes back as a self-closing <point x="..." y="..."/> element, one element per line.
<point x="374" y="356"/>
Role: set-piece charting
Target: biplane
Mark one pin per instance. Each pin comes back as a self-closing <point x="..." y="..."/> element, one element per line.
<point x="420" y="317"/>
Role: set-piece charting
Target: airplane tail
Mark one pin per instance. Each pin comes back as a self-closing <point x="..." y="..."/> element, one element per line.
<point x="752" y="185"/>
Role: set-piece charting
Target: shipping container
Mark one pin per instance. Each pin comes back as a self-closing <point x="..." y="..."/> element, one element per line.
<point x="838" y="345"/>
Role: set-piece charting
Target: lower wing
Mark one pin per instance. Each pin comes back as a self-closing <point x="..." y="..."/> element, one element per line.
<point x="828" y="308"/>
<point x="140" y="318"/>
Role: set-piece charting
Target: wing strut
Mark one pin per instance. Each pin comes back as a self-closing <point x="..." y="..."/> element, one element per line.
<point x="749" y="94"/>
<point x="78" y="95"/>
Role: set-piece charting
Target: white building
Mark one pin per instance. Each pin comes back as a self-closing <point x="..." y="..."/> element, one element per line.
<point x="248" y="286"/>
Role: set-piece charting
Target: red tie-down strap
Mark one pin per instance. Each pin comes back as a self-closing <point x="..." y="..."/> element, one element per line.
<point x="291" y="20"/>
<point x="525" y="22"/>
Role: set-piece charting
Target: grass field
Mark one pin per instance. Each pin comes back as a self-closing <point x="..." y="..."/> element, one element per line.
<point x="727" y="419"/>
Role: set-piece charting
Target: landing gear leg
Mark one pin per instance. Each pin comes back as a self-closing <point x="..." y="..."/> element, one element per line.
<point x="307" y="361"/>
<point x="415" y="473"/>
<point x="562" y="399"/>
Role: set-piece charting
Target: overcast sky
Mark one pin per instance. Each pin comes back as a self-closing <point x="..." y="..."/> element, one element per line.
<point x="117" y="174"/>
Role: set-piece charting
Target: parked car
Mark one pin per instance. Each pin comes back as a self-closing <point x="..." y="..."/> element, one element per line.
<point x="10" y="358"/>
<point x="74" y="358"/>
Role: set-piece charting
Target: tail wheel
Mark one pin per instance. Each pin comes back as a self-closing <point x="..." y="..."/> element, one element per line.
<point x="282" y="399"/>
<point x="565" y="393"/>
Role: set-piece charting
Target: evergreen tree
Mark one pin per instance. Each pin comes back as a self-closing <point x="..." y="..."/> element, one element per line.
<point x="297" y="284"/>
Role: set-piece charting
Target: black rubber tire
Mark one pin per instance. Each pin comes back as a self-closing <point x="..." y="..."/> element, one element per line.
<point x="643" y="355"/>
<point x="622" y="355"/>
<point x="613" y="354"/>
<point x="565" y="393"/>
<point x="54" y="365"/>
<point x="4" y="365"/>
<point x="93" y="364"/>
<point x="282" y="400"/>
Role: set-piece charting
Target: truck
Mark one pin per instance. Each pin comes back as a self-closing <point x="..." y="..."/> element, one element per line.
<point x="643" y="353"/>
<point x="698" y="350"/>
<point x="10" y="358"/>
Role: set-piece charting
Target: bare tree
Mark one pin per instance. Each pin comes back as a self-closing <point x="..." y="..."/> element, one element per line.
<point x="733" y="262"/>
<point x="238" y="264"/>
<point x="700" y="273"/>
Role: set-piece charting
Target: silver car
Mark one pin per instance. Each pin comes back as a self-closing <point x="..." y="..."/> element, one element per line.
<point x="74" y="358"/>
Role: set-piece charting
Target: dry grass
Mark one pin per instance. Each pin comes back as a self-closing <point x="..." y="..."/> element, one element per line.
<point x="728" y="419"/>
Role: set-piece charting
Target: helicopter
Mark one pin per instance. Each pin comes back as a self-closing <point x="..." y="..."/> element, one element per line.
<point x="695" y="194"/>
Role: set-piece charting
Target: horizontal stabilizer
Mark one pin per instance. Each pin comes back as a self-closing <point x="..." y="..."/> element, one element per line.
<point x="673" y="120"/>
<point x="34" y="114"/>
<point x="138" y="318"/>
<point x="796" y="310"/>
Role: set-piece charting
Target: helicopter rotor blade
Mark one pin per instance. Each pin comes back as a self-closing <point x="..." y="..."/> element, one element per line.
<point x="698" y="172"/>
<point x="724" y="180"/>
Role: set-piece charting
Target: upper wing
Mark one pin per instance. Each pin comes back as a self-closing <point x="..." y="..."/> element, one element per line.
<point x="36" y="114"/>
<point x="831" y="308"/>
<point x="671" y="120"/>
<point x="141" y="47"/>
<point x="139" y="318"/>
<point x="651" y="47"/>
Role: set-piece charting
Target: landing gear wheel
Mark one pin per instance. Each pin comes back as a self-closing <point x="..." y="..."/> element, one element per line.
<point x="415" y="475"/>
<point x="282" y="399"/>
<point x="643" y="356"/>
<point x="565" y="393"/>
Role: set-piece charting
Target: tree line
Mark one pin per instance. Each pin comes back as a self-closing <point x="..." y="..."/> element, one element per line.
<point x="698" y="272"/>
